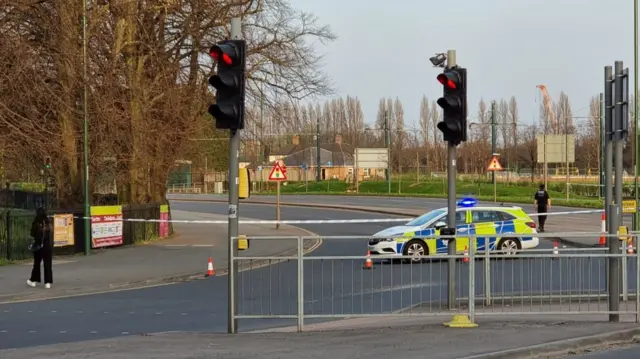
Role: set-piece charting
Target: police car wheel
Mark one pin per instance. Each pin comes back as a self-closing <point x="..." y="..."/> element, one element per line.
<point x="415" y="247"/>
<point x="509" y="246"/>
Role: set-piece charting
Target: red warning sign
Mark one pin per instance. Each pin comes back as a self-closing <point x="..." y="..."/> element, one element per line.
<point x="277" y="174"/>
<point x="494" y="164"/>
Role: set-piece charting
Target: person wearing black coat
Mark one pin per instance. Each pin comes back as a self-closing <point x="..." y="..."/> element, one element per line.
<point x="42" y="249"/>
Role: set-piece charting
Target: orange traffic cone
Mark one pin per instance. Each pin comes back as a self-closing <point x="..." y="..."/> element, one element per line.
<point x="466" y="254"/>
<point x="210" y="271"/>
<point x="603" y="239"/>
<point x="368" y="263"/>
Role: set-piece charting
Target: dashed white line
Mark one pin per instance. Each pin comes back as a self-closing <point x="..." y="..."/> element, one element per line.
<point x="183" y="313"/>
<point x="29" y="311"/>
<point x="130" y="312"/>
<point x="158" y="313"/>
<point x="125" y="333"/>
<point x="31" y="331"/>
<point x="54" y="311"/>
<point x="106" y="313"/>
<point x="63" y="331"/>
<point x="93" y="332"/>
<point x="4" y="331"/>
<point x="79" y="312"/>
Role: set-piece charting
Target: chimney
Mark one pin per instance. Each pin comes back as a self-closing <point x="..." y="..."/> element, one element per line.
<point x="339" y="139"/>
<point x="295" y="140"/>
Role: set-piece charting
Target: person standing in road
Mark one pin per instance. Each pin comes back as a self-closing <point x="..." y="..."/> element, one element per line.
<point x="542" y="202"/>
<point x="42" y="249"/>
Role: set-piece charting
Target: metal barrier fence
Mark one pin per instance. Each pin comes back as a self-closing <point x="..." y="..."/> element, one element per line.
<point x="321" y="287"/>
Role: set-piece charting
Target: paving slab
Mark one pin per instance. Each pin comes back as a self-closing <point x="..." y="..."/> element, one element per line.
<point x="181" y="257"/>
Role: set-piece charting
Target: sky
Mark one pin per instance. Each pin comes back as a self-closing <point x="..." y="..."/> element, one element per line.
<point x="507" y="46"/>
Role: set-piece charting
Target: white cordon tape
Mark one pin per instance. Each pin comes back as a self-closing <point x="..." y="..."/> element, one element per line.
<point x="321" y="221"/>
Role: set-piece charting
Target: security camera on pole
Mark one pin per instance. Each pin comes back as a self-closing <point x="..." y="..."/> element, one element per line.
<point x="454" y="131"/>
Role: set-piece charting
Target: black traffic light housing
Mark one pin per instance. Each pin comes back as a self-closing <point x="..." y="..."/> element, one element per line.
<point x="229" y="81"/>
<point x="47" y="162"/>
<point x="454" y="105"/>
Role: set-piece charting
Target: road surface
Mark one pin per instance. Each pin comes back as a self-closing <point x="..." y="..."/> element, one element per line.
<point x="626" y="352"/>
<point x="331" y="287"/>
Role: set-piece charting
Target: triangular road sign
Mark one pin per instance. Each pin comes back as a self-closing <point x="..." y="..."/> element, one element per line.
<point x="277" y="174"/>
<point x="494" y="165"/>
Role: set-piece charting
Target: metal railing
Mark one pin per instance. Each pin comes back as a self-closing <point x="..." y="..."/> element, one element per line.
<point x="320" y="287"/>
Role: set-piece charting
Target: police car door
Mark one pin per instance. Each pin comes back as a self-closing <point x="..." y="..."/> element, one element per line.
<point x="485" y="222"/>
<point x="462" y="228"/>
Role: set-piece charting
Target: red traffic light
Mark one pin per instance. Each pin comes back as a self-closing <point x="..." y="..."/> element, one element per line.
<point x="450" y="79"/>
<point x="227" y="52"/>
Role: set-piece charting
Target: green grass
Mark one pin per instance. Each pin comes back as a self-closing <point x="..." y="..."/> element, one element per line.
<point x="4" y="262"/>
<point x="437" y="189"/>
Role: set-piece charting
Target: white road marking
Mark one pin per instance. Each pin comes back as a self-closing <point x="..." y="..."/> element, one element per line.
<point x="79" y="312"/>
<point x="54" y="311"/>
<point x="125" y="333"/>
<point x="63" y="331"/>
<point x="93" y="332"/>
<point x="4" y="331"/>
<point x="31" y="331"/>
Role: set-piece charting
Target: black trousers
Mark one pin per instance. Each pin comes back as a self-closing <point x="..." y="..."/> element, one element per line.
<point x="542" y="219"/>
<point x="44" y="255"/>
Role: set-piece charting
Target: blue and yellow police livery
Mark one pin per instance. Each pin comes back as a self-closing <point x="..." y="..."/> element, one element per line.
<point x="497" y="222"/>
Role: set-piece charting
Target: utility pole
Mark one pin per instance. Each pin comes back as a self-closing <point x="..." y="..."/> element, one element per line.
<point x="85" y="123"/>
<point x="602" y="144"/>
<point x="388" y="143"/>
<point x="318" y="167"/>
<point x="566" y="153"/>
<point x="608" y="146"/>
<point x="493" y="138"/>
<point x="636" y="149"/>
<point x="234" y="149"/>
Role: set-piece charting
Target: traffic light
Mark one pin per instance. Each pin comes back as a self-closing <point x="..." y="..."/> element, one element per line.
<point x="229" y="81"/>
<point x="47" y="162"/>
<point x="454" y="105"/>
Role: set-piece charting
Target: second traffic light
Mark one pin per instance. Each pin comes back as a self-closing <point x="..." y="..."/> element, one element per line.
<point x="229" y="81"/>
<point x="454" y="105"/>
<point x="47" y="162"/>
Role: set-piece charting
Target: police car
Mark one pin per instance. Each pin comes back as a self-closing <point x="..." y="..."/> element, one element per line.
<point x="497" y="222"/>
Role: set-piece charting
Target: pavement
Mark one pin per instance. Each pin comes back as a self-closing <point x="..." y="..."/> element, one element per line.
<point x="338" y="287"/>
<point x="178" y="258"/>
<point x="508" y="338"/>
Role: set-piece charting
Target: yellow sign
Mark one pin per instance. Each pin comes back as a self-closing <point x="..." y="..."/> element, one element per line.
<point x="629" y="206"/>
<point x="623" y="230"/>
<point x="63" y="230"/>
<point x="243" y="242"/>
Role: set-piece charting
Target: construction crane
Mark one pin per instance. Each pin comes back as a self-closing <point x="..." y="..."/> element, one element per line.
<point x="551" y="115"/>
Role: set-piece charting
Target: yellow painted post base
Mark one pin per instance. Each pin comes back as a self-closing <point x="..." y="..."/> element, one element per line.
<point x="460" y="321"/>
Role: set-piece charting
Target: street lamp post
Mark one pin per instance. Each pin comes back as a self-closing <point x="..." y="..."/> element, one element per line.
<point x="87" y="207"/>
<point x="636" y="218"/>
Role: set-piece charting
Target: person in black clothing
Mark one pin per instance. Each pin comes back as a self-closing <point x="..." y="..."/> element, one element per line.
<point x="42" y="249"/>
<point x="542" y="202"/>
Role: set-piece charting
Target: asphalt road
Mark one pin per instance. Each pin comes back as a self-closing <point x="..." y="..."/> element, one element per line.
<point x="331" y="287"/>
<point x="425" y="204"/>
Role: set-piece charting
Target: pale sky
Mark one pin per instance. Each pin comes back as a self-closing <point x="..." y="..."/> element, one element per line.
<point x="508" y="47"/>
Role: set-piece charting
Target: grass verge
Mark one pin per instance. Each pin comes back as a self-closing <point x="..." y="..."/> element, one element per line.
<point x="436" y="189"/>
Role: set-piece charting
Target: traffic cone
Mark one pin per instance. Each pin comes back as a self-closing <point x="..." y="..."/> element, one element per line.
<point x="368" y="263"/>
<point x="603" y="239"/>
<point x="466" y="254"/>
<point x="210" y="271"/>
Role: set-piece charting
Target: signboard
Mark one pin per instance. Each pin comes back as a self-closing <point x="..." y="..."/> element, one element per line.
<point x="494" y="164"/>
<point x="63" y="230"/>
<point x="164" y="216"/>
<point x="629" y="206"/>
<point x="372" y="157"/>
<point x="277" y="174"/>
<point x="106" y="226"/>
<point x="557" y="148"/>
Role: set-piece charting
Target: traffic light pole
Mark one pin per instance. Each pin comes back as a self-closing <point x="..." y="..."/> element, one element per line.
<point x="451" y="205"/>
<point x="234" y="148"/>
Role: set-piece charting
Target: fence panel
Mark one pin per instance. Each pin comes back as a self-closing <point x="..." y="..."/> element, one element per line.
<point x="543" y="281"/>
